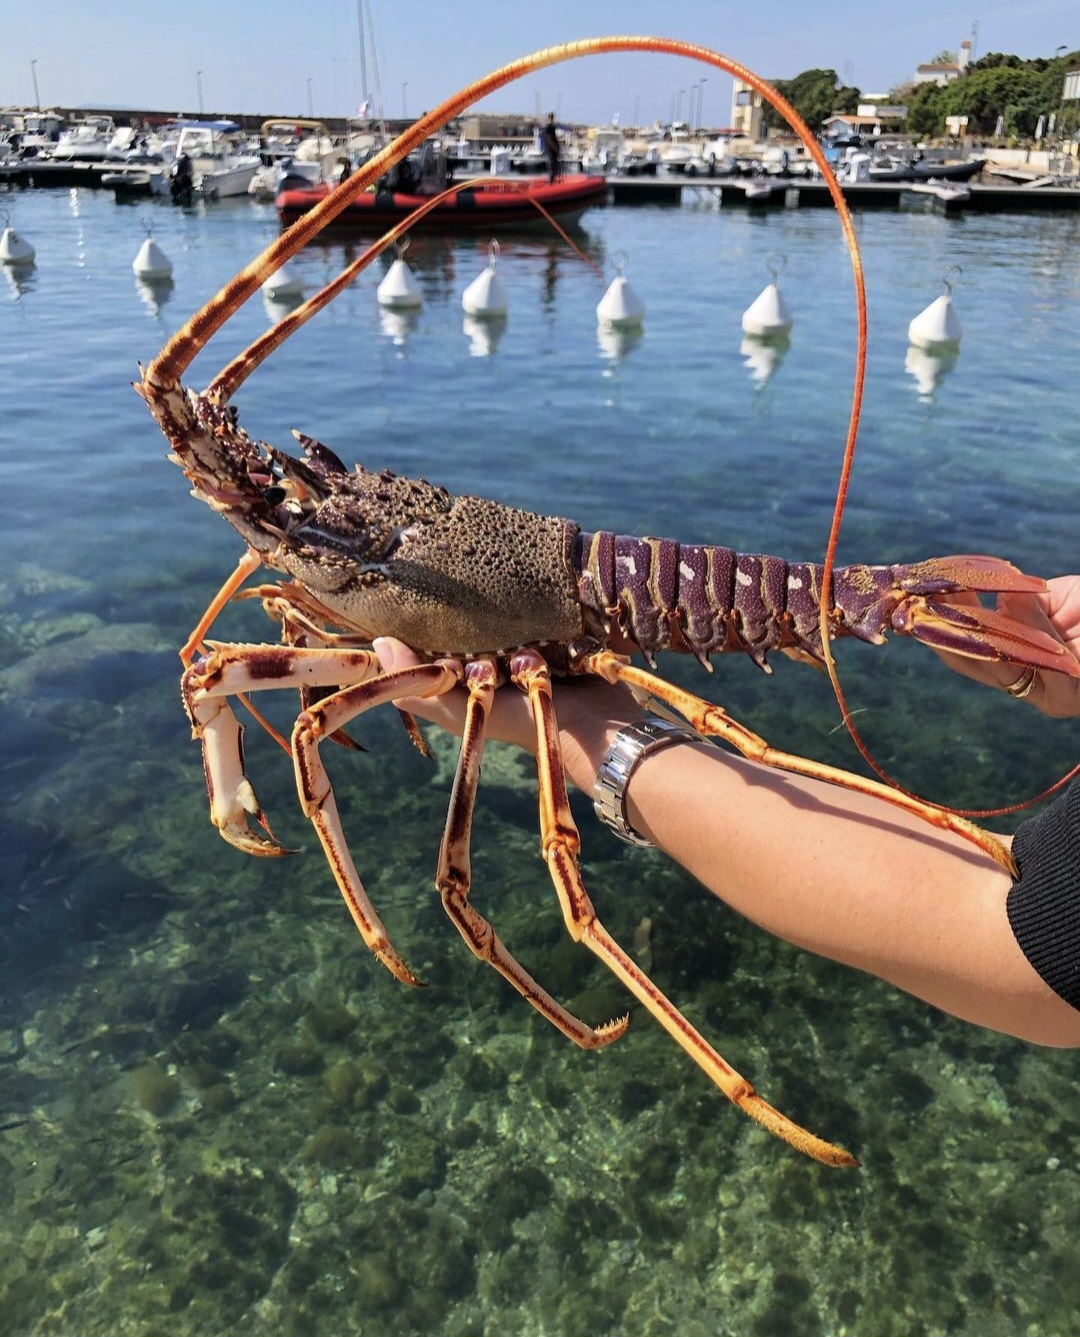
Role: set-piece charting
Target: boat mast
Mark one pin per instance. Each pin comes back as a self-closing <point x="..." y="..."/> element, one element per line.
<point x="375" y="65"/>
<point x="363" y="51"/>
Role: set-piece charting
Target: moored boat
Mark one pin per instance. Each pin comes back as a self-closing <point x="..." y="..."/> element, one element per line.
<point x="221" y="167"/>
<point x="922" y="169"/>
<point x="498" y="200"/>
<point x="133" y="183"/>
<point x="933" y="196"/>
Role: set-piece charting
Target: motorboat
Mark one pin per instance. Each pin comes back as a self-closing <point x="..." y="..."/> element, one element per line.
<point x="299" y="149"/>
<point x="463" y="156"/>
<point x="934" y="196"/>
<point x="531" y="160"/>
<point x="605" y="152"/>
<point x="35" y="134"/>
<point x="135" y="183"/>
<point x="221" y="164"/>
<point x="888" y="168"/>
<point x="639" y="164"/>
<point x="676" y="157"/>
<point x="87" y="140"/>
<point x="758" y="190"/>
<point x="495" y="201"/>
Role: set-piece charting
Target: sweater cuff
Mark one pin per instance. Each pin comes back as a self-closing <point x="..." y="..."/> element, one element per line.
<point x="1044" y="903"/>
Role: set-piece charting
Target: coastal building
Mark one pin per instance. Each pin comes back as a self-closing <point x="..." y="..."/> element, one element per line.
<point x="746" y="111"/>
<point x="939" y="73"/>
<point x="843" y="125"/>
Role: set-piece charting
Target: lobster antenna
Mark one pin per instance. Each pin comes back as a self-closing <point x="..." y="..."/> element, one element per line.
<point x="178" y="354"/>
<point x="225" y="384"/>
<point x="229" y="379"/>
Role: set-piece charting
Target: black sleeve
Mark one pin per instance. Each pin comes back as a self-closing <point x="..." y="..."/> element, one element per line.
<point x="1044" y="903"/>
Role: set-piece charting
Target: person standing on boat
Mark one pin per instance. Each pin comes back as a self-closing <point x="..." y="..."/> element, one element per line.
<point x="552" y="148"/>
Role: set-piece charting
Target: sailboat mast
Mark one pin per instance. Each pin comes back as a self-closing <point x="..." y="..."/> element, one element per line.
<point x="363" y="52"/>
<point x="374" y="62"/>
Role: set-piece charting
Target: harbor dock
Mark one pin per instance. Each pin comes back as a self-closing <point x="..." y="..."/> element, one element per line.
<point x="673" y="189"/>
<point x="813" y="193"/>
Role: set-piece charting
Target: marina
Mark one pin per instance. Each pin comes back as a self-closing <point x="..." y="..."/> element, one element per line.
<point x="673" y="188"/>
<point x="213" y="1105"/>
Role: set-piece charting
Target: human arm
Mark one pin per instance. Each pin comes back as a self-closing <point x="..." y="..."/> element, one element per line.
<point x="849" y="878"/>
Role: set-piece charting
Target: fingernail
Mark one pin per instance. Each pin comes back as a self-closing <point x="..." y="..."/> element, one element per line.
<point x="385" y="650"/>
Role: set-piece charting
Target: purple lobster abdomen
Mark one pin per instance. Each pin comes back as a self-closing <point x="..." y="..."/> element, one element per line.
<point x="708" y="600"/>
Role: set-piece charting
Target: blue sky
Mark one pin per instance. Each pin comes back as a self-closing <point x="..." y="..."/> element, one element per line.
<point x="259" y="55"/>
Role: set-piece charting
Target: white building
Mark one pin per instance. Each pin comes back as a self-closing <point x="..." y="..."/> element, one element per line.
<point x="944" y="74"/>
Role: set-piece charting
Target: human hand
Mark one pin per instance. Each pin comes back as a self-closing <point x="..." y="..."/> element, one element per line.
<point x="1056" y="610"/>
<point x="589" y="712"/>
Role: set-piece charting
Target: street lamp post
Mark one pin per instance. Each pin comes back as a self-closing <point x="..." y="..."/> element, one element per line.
<point x="404" y="101"/>
<point x="310" y="107"/>
<point x="33" y="75"/>
<point x="1061" y="104"/>
<point x="198" y="87"/>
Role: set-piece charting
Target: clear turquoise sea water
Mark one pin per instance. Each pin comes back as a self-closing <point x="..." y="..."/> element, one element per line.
<point x="217" y="1114"/>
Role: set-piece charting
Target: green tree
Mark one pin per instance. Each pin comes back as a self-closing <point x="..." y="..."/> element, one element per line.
<point x="815" y="95"/>
<point x="997" y="85"/>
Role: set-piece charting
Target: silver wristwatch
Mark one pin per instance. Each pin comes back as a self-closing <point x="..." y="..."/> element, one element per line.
<point x="630" y="744"/>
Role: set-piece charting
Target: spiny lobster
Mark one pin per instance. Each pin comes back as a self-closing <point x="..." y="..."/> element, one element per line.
<point x="490" y="594"/>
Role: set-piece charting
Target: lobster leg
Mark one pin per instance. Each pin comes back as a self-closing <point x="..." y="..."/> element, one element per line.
<point x="317" y="798"/>
<point x="230" y="670"/>
<point x="561" y="843"/>
<point x="454" y="876"/>
<point x="712" y="720"/>
<point x="323" y="720"/>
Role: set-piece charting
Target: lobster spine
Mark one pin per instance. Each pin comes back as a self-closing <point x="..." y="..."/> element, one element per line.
<point x="666" y="595"/>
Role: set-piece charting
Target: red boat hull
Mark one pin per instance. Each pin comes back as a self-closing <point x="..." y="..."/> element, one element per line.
<point x="500" y="203"/>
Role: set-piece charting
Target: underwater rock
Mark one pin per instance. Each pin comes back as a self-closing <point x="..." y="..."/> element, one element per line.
<point x="330" y="1024"/>
<point x="343" y="1081"/>
<point x="341" y="1148"/>
<point x="420" y="1163"/>
<point x="156" y="1090"/>
<point x="298" y="1059"/>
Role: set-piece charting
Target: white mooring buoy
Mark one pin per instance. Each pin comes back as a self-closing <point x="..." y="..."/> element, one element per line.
<point x="15" y="250"/>
<point x="485" y="296"/>
<point x="399" y="290"/>
<point x="151" y="263"/>
<point x="937" y="327"/>
<point x="620" y="308"/>
<point x="767" y="315"/>
<point x="284" y="286"/>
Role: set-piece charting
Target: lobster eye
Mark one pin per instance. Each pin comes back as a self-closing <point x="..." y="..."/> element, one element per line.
<point x="274" y="495"/>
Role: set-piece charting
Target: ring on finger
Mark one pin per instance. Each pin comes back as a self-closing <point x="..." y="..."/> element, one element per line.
<point x="1021" y="688"/>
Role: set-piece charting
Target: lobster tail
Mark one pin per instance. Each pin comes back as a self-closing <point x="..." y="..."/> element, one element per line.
<point x="706" y="600"/>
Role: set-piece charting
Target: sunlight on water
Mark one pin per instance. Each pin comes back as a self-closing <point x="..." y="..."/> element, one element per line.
<point x="217" y="1114"/>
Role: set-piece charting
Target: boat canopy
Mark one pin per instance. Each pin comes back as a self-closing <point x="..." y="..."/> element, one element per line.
<point x="216" y="127"/>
